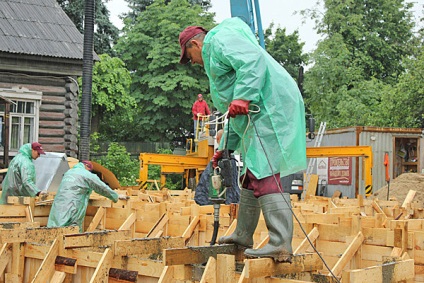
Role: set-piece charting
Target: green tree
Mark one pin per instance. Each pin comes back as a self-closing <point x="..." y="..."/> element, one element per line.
<point x="105" y="33"/>
<point x="358" y="60"/>
<point x="119" y="161"/>
<point x="403" y="105"/>
<point x="138" y="6"/>
<point x="286" y="49"/>
<point x="110" y="93"/>
<point x="164" y="89"/>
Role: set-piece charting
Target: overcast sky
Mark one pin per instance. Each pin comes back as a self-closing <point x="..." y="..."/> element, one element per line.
<point x="278" y="11"/>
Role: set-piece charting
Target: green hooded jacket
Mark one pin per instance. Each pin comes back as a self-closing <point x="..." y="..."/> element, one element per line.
<point x="273" y="140"/>
<point x="71" y="200"/>
<point x="20" y="176"/>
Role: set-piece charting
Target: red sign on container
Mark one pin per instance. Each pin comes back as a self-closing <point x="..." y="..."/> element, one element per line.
<point x="339" y="170"/>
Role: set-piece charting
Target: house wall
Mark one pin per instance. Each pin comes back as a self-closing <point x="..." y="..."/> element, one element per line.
<point x="58" y="113"/>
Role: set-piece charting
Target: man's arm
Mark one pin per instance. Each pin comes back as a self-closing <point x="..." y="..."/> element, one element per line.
<point x="28" y="179"/>
<point x="101" y="188"/>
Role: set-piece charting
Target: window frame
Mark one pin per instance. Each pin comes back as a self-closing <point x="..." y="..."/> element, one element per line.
<point x="17" y="94"/>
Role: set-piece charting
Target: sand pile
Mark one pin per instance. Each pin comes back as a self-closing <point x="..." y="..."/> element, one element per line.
<point x="400" y="187"/>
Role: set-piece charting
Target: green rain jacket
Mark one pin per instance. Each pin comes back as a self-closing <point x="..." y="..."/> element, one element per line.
<point x="71" y="200"/>
<point x="238" y="68"/>
<point x="20" y="177"/>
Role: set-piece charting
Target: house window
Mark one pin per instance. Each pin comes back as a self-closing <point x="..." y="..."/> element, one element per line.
<point x="23" y="117"/>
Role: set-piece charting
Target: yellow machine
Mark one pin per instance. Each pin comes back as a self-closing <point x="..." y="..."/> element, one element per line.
<point x="199" y="152"/>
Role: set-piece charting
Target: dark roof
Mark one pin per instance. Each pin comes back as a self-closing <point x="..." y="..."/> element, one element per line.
<point x="38" y="27"/>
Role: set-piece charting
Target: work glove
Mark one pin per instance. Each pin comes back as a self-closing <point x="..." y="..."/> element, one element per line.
<point x="216" y="157"/>
<point x="238" y="107"/>
<point x="43" y="195"/>
<point x="123" y="197"/>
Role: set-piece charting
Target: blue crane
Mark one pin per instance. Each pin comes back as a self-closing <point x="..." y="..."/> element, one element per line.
<point x="244" y="10"/>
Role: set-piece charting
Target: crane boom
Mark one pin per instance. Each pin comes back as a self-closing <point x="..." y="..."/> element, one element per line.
<point x="245" y="10"/>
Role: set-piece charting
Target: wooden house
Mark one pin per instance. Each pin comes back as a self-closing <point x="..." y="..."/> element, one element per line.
<point x="41" y="54"/>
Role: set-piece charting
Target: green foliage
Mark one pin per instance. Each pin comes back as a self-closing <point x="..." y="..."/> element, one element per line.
<point x="119" y="161"/>
<point x="110" y="95"/>
<point x="286" y="49"/>
<point x="405" y="102"/>
<point x="360" y="60"/>
<point x="105" y="33"/>
<point x="111" y="82"/>
<point x="164" y="89"/>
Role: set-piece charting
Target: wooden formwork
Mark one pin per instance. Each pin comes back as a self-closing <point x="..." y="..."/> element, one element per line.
<point x="163" y="236"/>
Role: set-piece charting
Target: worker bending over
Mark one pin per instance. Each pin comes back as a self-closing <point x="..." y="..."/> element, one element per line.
<point x="71" y="200"/>
<point x="243" y="77"/>
<point x="20" y="176"/>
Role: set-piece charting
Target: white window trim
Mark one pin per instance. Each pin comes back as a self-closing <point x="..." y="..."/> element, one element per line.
<point x="21" y="93"/>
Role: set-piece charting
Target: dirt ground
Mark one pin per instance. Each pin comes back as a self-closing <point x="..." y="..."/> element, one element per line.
<point x="399" y="188"/>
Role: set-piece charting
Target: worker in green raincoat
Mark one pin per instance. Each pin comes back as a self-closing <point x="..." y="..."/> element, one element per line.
<point x="267" y="126"/>
<point x="20" y="176"/>
<point x="71" y="200"/>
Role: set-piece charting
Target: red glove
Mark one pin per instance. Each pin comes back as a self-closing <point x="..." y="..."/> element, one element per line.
<point x="238" y="107"/>
<point x="216" y="157"/>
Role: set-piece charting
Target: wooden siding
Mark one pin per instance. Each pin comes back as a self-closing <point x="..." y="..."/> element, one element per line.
<point x="58" y="113"/>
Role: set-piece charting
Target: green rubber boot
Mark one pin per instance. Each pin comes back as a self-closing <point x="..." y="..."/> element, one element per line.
<point x="247" y="220"/>
<point x="279" y="221"/>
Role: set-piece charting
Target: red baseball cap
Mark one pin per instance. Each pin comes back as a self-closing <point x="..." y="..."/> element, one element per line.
<point x="187" y="34"/>
<point x="199" y="95"/>
<point x="37" y="146"/>
<point x="88" y="164"/>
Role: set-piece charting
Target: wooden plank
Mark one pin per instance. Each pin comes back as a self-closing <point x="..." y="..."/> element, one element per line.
<point x="95" y="239"/>
<point x="167" y="275"/>
<point x="312" y="186"/>
<point x="128" y="223"/>
<point x="46" y="269"/>
<point x="190" y="228"/>
<point x="146" y="246"/>
<point x="347" y="254"/>
<point x="144" y="267"/>
<point x="101" y="273"/>
<point x="387" y="272"/>
<point x="160" y="224"/>
<point x="304" y="245"/>
<point x="35" y="235"/>
<point x="195" y="255"/>
<point x="58" y="277"/>
<point x="265" y="267"/>
<point x="209" y="274"/>
<point x="101" y="211"/>
<point x="18" y="258"/>
<point x="225" y="268"/>
<point x="5" y="256"/>
<point x="409" y="198"/>
<point x="12" y="210"/>
<point x="19" y="225"/>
